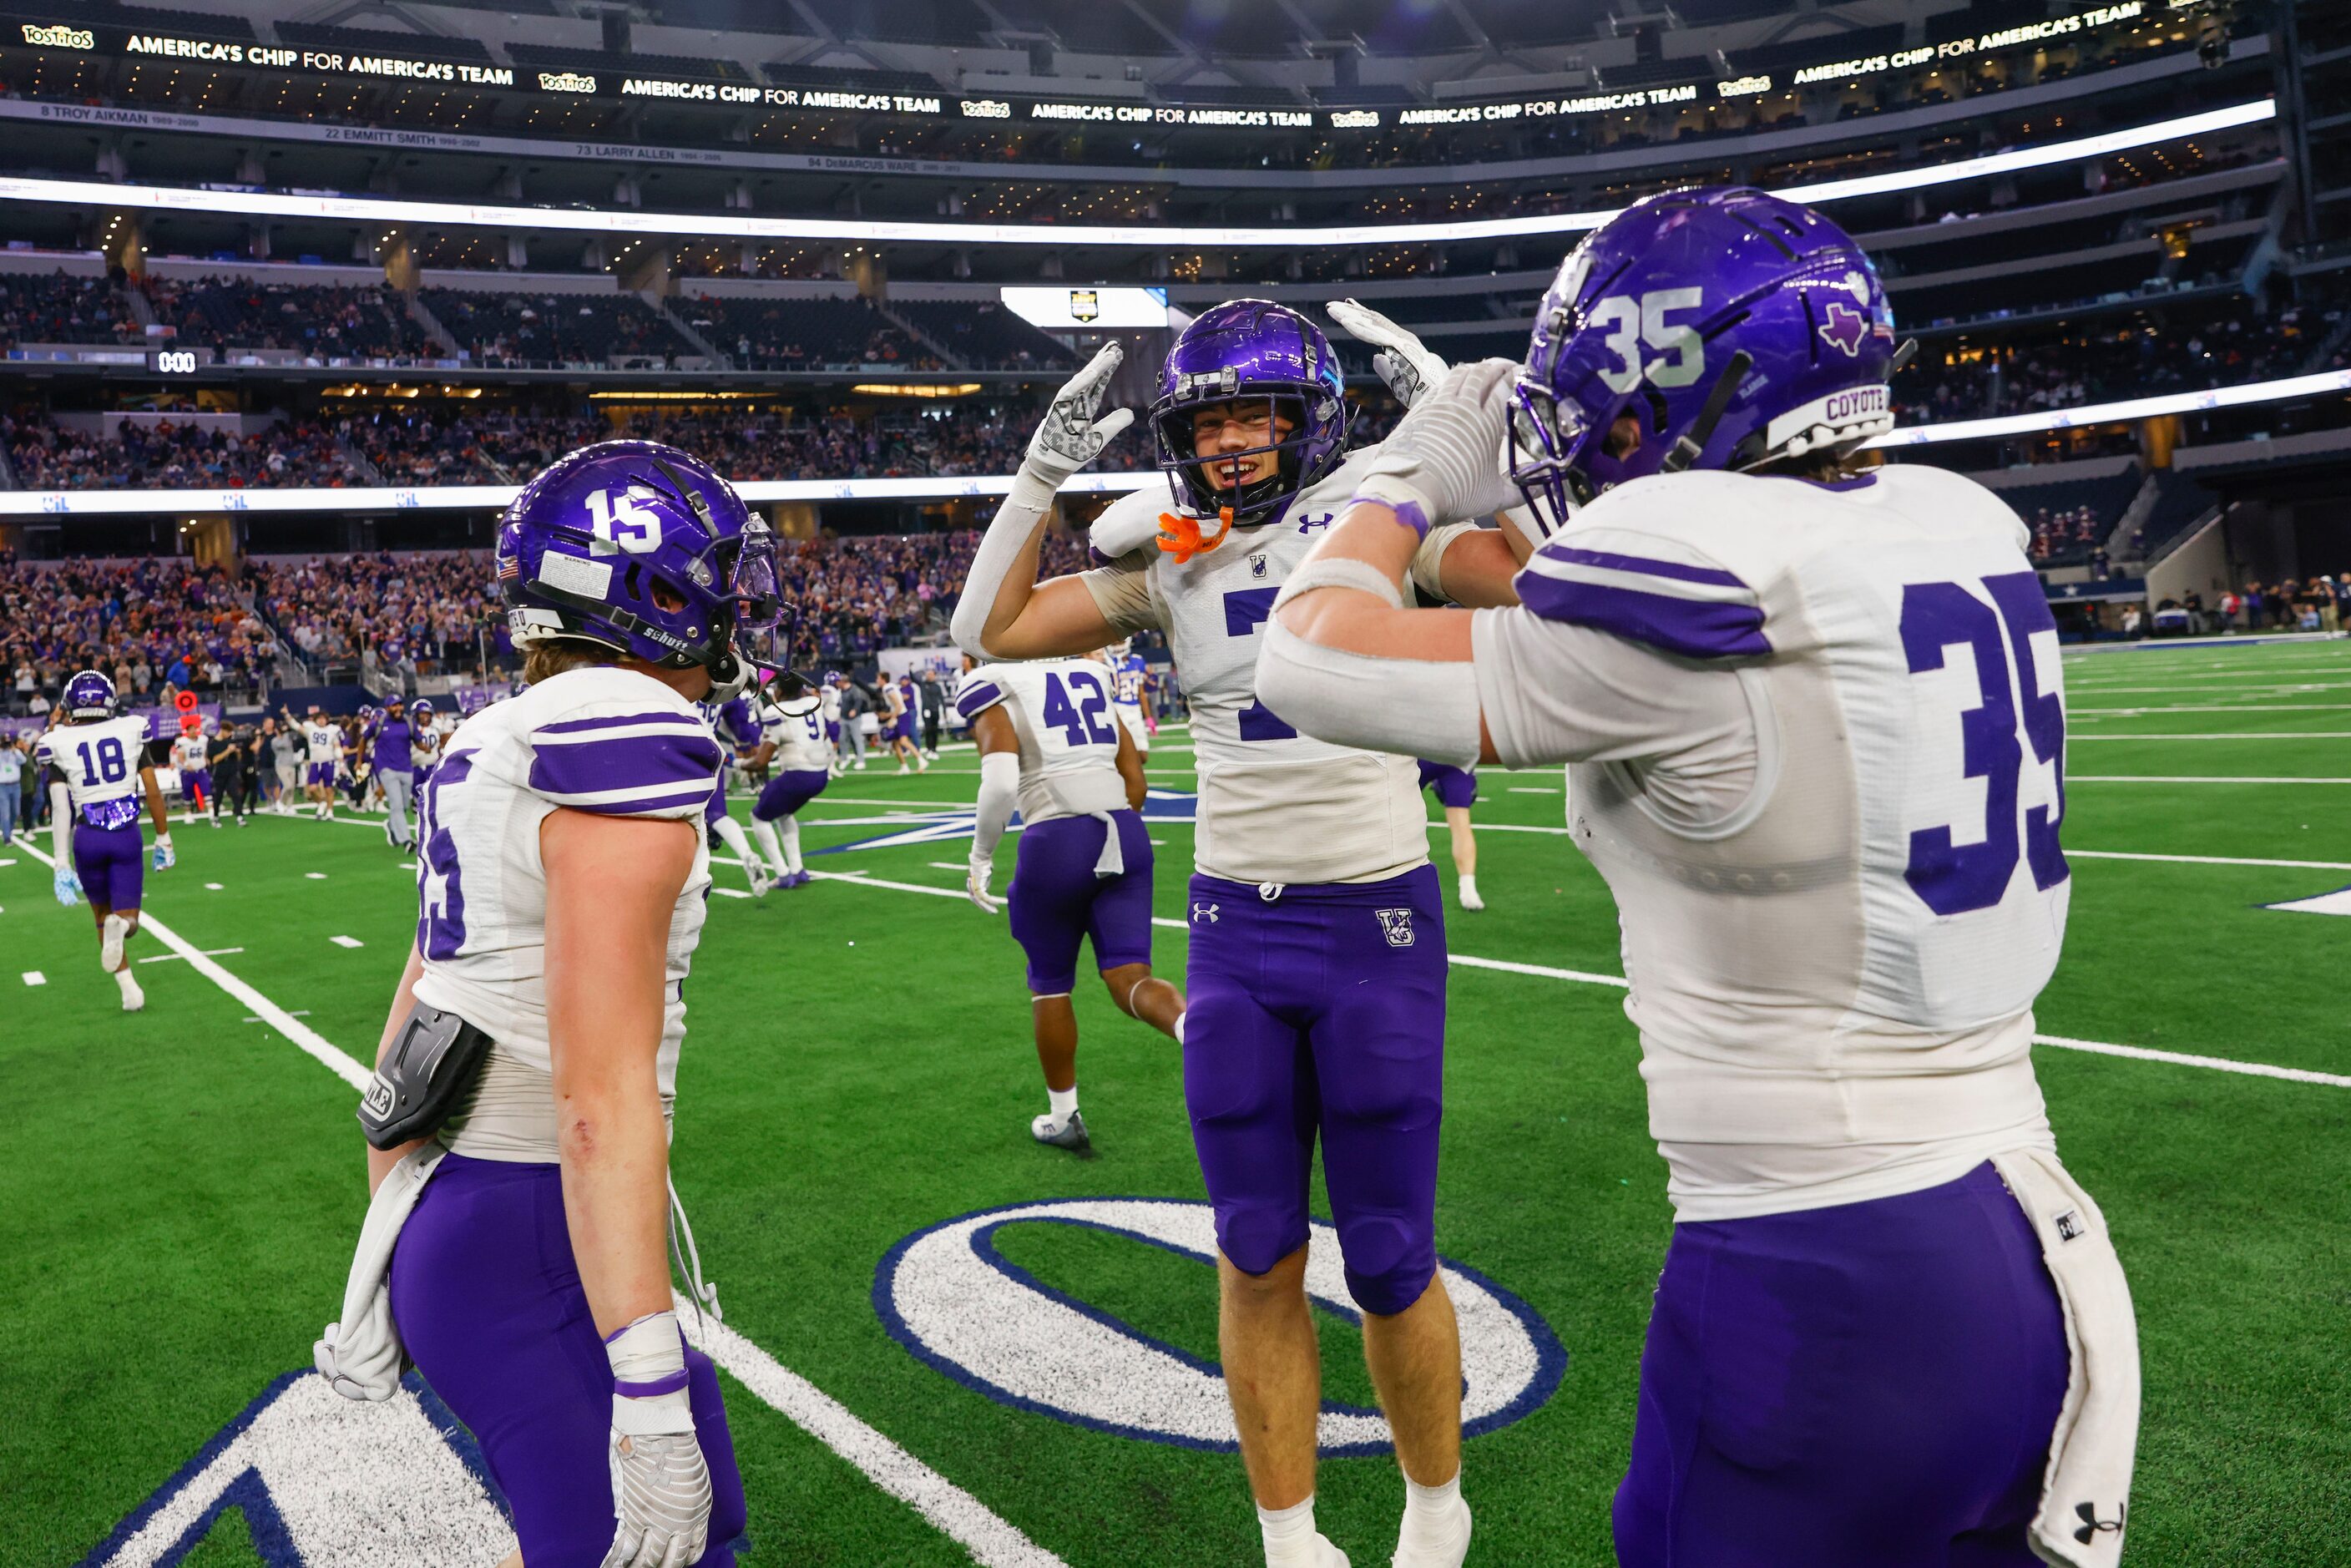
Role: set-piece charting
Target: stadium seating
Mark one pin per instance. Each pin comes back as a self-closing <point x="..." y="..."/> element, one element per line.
<point x="516" y="329"/>
<point x="802" y="334"/>
<point x="136" y="620"/>
<point x="322" y="321"/>
<point x="165" y="455"/>
<point x="984" y="335"/>
<point x="58" y="309"/>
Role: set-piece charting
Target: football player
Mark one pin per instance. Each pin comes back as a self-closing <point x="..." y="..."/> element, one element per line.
<point x="395" y="771"/>
<point x="1317" y="967"/>
<point x="1456" y="790"/>
<point x="322" y="749"/>
<point x="425" y="738"/>
<point x="192" y="760"/>
<point x="519" y="1120"/>
<point x="830" y="697"/>
<point x="103" y="767"/>
<point x="792" y="743"/>
<point x="1127" y="676"/>
<point x="1816" y="715"/>
<point x="732" y="725"/>
<point x="902" y="725"/>
<point x="1047" y="744"/>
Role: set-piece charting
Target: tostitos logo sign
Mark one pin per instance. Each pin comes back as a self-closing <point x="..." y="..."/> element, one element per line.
<point x="951" y="1297"/>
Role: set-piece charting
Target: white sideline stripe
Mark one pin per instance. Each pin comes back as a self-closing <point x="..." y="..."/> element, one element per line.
<point x="2235" y="735"/>
<point x="2075" y="710"/>
<point x="2186" y="779"/>
<point x="174" y="957"/>
<point x="2207" y="860"/>
<point x="991" y="1540"/>
<point x="1585" y="977"/>
<point x="956" y="1514"/>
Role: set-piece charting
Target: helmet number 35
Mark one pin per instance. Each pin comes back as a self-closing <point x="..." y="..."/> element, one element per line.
<point x="1626" y="324"/>
<point x="619" y="526"/>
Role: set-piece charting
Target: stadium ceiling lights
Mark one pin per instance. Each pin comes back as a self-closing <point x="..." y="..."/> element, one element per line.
<point x="483" y="497"/>
<point x="376" y="209"/>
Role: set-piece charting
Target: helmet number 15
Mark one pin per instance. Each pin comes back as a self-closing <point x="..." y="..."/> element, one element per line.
<point x="1626" y="324"/>
<point x="616" y="523"/>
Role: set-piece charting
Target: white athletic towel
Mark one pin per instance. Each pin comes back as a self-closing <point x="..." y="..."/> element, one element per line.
<point x="2085" y="1494"/>
<point x="360" y="1354"/>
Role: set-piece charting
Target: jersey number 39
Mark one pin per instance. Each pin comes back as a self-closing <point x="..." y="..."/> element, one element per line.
<point x="1951" y="877"/>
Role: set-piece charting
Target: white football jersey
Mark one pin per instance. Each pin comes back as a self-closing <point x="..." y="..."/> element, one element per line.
<point x="797" y="735"/>
<point x="323" y="741"/>
<point x="189" y="753"/>
<point x="100" y="762"/>
<point x="1069" y="740"/>
<point x="1817" y="737"/>
<point x="601" y="739"/>
<point x="831" y="697"/>
<point x="1275" y="805"/>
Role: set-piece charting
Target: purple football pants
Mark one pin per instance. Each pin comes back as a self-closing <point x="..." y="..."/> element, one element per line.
<point x="1855" y="1386"/>
<point x="1321" y="1011"/>
<point x="111" y="864"/>
<point x="1454" y="786"/>
<point x="787" y="792"/>
<point x="1056" y="901"/>
<point x="490" y="1307"/>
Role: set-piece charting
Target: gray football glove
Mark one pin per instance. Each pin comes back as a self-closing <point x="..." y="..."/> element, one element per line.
<point x="661" y="1484"/>
<point x="1444" y="459"/>
<point x="1074" y="430"/>
<point x="1406" y="364"/>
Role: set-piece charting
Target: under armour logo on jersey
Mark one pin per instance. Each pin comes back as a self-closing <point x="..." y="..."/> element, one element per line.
<point x="1844" y="329"/>
<point x="1396" y="923"/>
<point x="1308" y="525"/>
<point x="1206" y="912"/>
<point x="2091" y="1524"/>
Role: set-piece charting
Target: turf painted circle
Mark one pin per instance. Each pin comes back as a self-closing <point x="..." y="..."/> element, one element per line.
<point x="950" y="1296"/>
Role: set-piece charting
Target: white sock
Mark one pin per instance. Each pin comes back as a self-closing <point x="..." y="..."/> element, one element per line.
<point x="764" y="833"/>
<point x="1289" y="1538"/>
<point x="791" y="833"/>
<point x="1433" y="1517"/>
<point x="730" y="834"/>
<point x="1062" y="1101"/>
<point x="122" y="978"/>
<point x="1469" y="884"/>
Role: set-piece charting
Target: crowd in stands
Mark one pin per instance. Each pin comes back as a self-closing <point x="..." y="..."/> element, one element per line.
<point x="165" y="455"/>
<point x="322" y="321"/>
<point x="154" y="626"/>
<point x="857" y="594"/>
<point x="985" y="335"/>
<point x="805" y="334"/>
<point x="62" y="310"/>
<point x="2073" y="531"/>
<point x="397" y="613"/>
<point x="508" y="331"/>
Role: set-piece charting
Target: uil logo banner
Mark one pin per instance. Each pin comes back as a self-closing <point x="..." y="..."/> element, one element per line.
<point x="324" y="1480"/>
<point x="950" y="1296"/>
<point x="1085" y="304"/>
<point x="1396" y="923"/>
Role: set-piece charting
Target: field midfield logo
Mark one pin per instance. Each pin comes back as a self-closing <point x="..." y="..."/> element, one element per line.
<point x="950" y="1296"/>
<point x="324" y="1481"/>
<point x="2335" y="903"/>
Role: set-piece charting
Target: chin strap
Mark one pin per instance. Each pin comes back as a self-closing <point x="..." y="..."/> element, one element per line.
<point x="1180" y="535"/>
<point x="1692" y="444"/>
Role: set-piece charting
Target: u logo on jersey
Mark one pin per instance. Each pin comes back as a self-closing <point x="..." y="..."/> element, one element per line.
<point x="1396" y="925"/>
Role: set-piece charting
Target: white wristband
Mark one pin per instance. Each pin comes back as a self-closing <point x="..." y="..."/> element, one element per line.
<point x="1341" y="573"/>
<point x="650" y="1392"/>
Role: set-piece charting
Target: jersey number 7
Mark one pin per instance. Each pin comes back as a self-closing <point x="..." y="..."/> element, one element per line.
<point x="1954" y="878"/>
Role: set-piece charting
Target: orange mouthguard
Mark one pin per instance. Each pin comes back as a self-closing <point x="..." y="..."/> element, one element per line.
<point x="1180" y="537"/>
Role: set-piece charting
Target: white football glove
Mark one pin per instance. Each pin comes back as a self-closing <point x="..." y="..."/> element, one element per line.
<point x="1074" y="430"/>
<point x="66" y="884"/>
<point x="1406" y="364"/>
<point x="1444" y="458"/>
<point x="661" y="1484"/>
<point x="164" y="859"/>
<point x="974" y="883"/>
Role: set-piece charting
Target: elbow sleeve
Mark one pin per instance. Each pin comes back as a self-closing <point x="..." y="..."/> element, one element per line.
<point x="1412" y="708"/>
<point x="1000" y="792"/>
<point x="1001" y="549"/>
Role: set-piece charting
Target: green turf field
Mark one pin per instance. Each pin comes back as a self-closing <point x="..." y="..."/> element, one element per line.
<point x="181" y="1187"/>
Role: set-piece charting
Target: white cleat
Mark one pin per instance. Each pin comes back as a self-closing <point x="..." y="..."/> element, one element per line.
<point x="1327" y="1555"/>
<point x="110" y="938"/>
<point x="1446" y="1554"/>
<point x="133" y="998"/>
<point x="1469" y="899"/>
<point x="761" y="878"/>
<point x="1071" y="1134"/>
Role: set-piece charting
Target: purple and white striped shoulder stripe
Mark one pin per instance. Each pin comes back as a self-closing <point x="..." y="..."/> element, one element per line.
<point x="1697" y="610"/>
<point x="625" y="765"/>
<point x="977" y="697"/>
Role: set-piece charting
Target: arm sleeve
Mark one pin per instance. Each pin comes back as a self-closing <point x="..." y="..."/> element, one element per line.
<point x="653" y="762"/>
<point x="1556" y="691"/>
<point x="1427" y="562"/>
<point x="1122" y="594"/>
<point x="999" y="791"/>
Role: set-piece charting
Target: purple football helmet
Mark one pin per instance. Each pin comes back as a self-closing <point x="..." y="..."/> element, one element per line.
<point x="1242" y="350"/>
<point x="645" y="550"/>
<point x="1730" y="327"/>
<point x="90" y="696"/>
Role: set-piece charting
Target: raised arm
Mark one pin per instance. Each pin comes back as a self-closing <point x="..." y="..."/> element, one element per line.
<point x="1005" y="613"/>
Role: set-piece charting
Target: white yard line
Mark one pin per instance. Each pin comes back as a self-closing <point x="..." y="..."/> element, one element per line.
<point x="2236" y="735"/>
<point x="1580" y="977"/>
<point x="2186" y="778"/>
<point x="991" y="1540"/>
<point x="2073" y="855"/>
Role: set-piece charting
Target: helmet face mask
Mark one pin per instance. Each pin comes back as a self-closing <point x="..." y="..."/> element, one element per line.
<point x="1709" y="328"/>
<point x="89" y="697"/>
<point x="1239" y="353"/>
